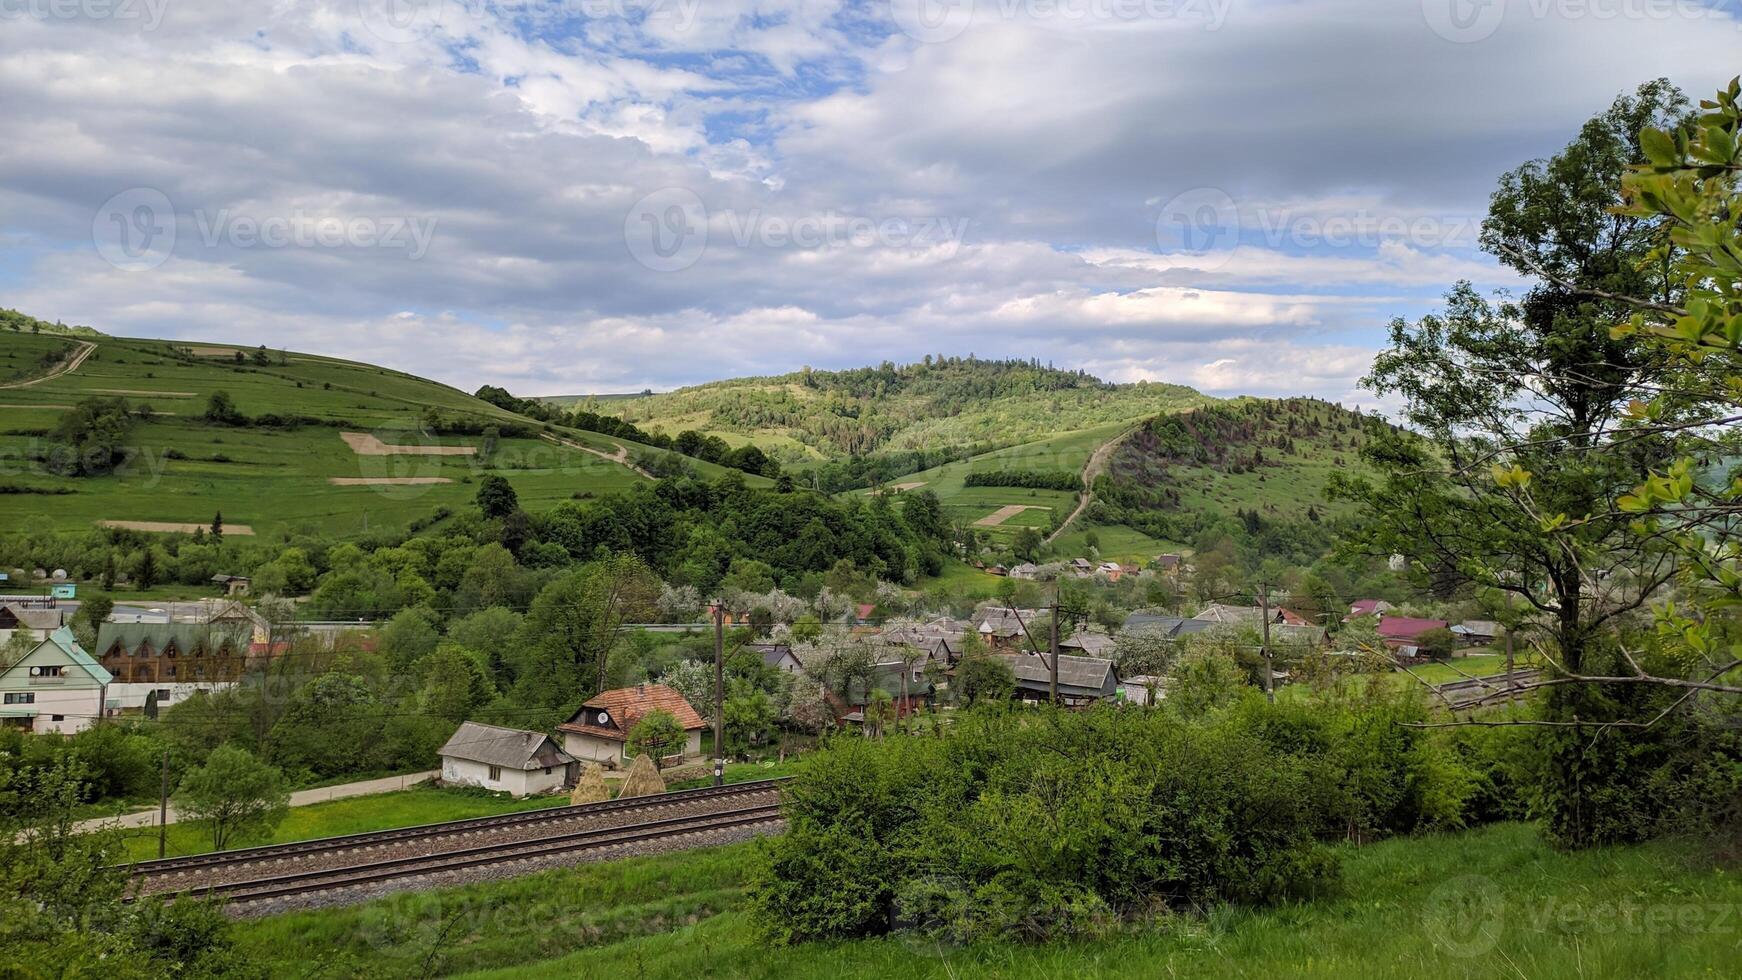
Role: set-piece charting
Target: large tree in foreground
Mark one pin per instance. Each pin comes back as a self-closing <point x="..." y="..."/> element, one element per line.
<point x="1514" y="396"/>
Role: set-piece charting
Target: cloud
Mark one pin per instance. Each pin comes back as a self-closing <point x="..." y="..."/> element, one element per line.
<point x="1353" y="145"/>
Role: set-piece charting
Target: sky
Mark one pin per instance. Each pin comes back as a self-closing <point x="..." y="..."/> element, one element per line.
<point x="609" y="195"/>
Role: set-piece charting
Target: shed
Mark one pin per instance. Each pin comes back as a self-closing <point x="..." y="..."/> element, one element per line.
<point x="506" y="759"/>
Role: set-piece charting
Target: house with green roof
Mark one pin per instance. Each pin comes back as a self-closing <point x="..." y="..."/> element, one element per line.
<point x="56" y="688"/>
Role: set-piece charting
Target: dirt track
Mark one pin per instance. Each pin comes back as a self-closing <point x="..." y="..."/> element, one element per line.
<point x="621" y="457"/>
<point x="1094" y="467"/>
<point x="66" y="367"/>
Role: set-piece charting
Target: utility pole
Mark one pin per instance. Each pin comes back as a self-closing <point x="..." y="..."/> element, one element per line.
<point x="1511" y="682"/>
<point x="719" y="691"/>
<point x="163" y="807"/>
<point x="1053" y="648"/>
<point x="1269" y="674"/>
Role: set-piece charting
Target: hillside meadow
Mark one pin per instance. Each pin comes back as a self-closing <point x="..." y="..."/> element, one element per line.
<point x="274" y="478"/>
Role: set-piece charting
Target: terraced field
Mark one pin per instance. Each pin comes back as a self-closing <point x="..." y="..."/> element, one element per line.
<point x="274" y="479"/>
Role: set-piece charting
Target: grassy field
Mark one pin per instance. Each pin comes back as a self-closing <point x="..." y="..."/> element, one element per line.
<point x="274" y="479"/>
<point x="1493" y="902"/>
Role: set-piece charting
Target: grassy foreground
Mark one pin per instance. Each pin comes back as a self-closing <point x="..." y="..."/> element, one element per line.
<point x="1493" y="902"/>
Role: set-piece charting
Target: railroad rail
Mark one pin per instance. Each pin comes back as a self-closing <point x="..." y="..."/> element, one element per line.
<point x="300" y="873"/>
<point x="450" y="828"/>
<point x="537" y="854"/>
<point x="1472" y="690"/>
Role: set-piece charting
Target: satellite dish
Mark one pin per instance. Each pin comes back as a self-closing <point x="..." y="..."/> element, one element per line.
<point x="604" y="718"/>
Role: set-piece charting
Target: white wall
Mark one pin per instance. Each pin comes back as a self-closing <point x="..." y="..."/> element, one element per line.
<point x="79" y="709"/>
<point x="132" y="695"/>
<point x="591" y="748"/>
<point x="465" y="772"/>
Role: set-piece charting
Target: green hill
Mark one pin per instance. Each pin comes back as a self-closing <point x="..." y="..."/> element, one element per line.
<point x="284" y="460"/>
<point x="942" y="404"/>
<point x="1272" y="458"/>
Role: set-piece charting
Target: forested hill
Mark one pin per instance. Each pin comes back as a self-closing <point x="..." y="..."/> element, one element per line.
<point x="1263" y="461"/>
<point x="937" y="403"/>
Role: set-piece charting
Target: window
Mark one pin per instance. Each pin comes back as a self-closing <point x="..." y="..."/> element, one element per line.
<point x="495" y="773"/>
<point x="21" y="699"/>
<point x="547" y="770"/>
<point x="51" y="670"/>
<point x="169" y="671"/>
<point x="163" y="694"/>
<point x="57" y="717"/>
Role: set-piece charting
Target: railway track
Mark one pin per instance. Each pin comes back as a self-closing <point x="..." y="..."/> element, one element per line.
<point x="388" y="860"/>
<point x="1470" y="691"/>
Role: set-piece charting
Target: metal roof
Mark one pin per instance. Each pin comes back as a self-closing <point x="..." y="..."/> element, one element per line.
<point x="508" y="748"/>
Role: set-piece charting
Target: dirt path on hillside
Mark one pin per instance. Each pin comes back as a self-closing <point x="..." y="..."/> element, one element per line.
<point x="620" y="457"/>
<point x="67" y="366"/>
<point x="1096" y="465"/>
<point x="387" y="481"/>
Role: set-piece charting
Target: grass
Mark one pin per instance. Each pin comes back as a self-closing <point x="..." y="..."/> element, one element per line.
<point x="1492" y="902"/>
<point x="277" y="480"/>
<point x="353" y="815"/>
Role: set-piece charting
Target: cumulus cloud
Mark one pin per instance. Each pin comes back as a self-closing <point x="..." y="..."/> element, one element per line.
<point x="614" y="194"/>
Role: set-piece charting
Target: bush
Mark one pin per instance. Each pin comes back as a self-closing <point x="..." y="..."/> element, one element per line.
<point x="1039" y="824"/>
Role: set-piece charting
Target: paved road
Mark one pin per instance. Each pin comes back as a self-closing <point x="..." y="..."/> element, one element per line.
<point x="148" y="818"/>
<point x="66" y="367"/>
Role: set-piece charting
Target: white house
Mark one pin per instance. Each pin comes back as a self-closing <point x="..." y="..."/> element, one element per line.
<point x="504" y="759"/>
<point x="55" y="688"/>
<point x="599" y="731"/>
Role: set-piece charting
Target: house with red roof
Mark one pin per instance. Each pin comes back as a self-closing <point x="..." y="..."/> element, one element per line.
<point x="1367" y="607"/>
<point x="1406" y="631"/>
<point x="599" y="731"/>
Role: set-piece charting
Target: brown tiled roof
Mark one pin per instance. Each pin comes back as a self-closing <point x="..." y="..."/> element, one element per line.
<point x="627" y="705"/>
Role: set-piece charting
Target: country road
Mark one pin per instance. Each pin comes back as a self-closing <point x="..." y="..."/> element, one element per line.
<point x="1096" y="465"/>
<point x="621" y="457"/>
<point x="66" y="367"/>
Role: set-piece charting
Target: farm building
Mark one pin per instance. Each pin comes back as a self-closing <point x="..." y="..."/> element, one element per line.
<point x="599" y="731"/>
<point x="1368" y="607"/>
<point x="1088" y="644"/>
<point x="56" y="688"/>
<point x="234" y="585"/>
<point x="505" y="759"/>
<point x="1477" y="632"/>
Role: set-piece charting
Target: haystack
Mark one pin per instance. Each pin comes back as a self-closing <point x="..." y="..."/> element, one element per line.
<point x="644" y="779"/>
<point x="591" y="788"/>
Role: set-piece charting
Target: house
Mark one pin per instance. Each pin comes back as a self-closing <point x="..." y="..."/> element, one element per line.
<point x="1282" y="630"/>
<point x="1027" y="571"/>
<point x="505" y="759"/>
<point x="1088" y="644"/>
<point x="776" y="655"/>
<point x="1368" y="607"/>
<point x="56" y="688"/>
<point x="1169" y="565"/>
<point x="38" y="621"/>
<point x="165" y="663"/>
<point x="234" y="585"/>
<point x="1003" y="628"/>
<point x="864" y="613"/>
<point x="1399" y="632"/>
<point x="599" y="731"/>
<point x="1113" y="570"/>
<point x="1081" y="567"/>
<point x="1082" y="680"/>
<point x="906" y="697"/>
<point x="1171" y="627"/>
<point x="1477" y="632"/>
